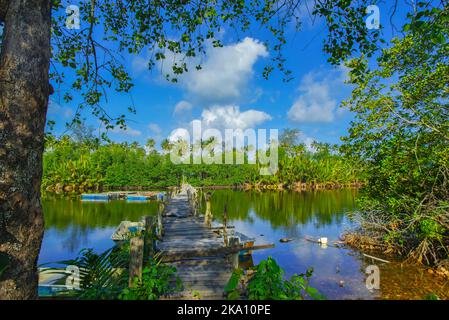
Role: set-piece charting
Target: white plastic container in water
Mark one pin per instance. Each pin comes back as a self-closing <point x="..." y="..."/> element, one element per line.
<point x="323" y="240"/>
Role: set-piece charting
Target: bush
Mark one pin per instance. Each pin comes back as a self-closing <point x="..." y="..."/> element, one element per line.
<point x="268" y="284"/>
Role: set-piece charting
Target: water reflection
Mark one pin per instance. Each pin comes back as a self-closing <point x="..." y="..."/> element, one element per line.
<point x="285" y="209"/>
<point x="71" y="225"/>
<point x="270" y="216"/>
<point x="339" y="273"/>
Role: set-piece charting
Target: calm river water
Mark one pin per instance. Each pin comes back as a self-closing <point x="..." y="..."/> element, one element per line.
<point x="339" y="273"/>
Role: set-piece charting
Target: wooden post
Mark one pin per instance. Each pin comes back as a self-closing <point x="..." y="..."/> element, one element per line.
<point x="160" y="227"/>
<point x="195" y="203"/>
<point x="234" y="242"/>
<point x="225" y="222"/>
<point x="200" y="199"/>
<point x="135" y="259"/>
<point x="149" y="237"/>
<point x="208" y="214"/>
<point x="161" y="207"/>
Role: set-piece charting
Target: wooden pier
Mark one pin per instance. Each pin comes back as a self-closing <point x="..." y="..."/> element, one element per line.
<point x="204" y="254"/>
<point x="203" y="262"/>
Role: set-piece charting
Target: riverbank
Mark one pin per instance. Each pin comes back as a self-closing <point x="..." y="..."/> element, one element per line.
<point x="379" y="248"/>
<point x="298" y="187"/>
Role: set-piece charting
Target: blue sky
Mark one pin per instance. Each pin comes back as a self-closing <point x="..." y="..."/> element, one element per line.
<point x="230" y="92"/>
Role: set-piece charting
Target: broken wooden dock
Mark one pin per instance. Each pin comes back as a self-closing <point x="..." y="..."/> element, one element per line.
<point x="204" y="255"/>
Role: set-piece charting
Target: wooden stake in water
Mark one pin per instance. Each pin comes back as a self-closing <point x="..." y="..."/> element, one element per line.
<point x="225" y="222"/>
<point x="200" y="198"/>
<point x="160" y="230"/>
<point x="234" y="242"/>
<point x="135" y="259"/>
<point x="149" y="237"/>
<point x="208" y="214"/>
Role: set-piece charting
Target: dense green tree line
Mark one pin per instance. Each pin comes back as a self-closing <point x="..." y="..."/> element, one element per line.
<point x="84" y="162"/>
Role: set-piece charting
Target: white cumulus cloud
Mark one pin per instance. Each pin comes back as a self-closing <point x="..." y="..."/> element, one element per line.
<point x="182" y="106"/>
<point x="221" y="118"/>
<point x="226" y="71"/>
<point x="154" y="127"/>
<point x="230" y="117"/>
<point x="318" y="98"/>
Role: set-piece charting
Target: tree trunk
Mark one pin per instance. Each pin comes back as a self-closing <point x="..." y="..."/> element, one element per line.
<point x="24" y="90"/>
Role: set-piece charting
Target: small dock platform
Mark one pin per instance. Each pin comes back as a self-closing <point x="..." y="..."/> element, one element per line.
<point x="122" y="195"/>
<point x="204" y="253"/>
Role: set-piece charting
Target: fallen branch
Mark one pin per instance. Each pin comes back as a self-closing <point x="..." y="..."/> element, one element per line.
<point x="375" y="258"/>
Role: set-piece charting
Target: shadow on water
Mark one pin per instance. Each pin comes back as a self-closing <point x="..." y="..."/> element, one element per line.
<point x="339" y="273"/>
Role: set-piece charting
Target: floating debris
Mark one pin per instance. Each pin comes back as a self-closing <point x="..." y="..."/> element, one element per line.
<point x="138" y="198"/>
<point x="126" y="228"/>
<point x="95" y="197"/>
<point x="322" y="240"/>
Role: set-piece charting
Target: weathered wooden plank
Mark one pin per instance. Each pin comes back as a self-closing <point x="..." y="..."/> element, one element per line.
<point x="196" y="250"/>
<point x="184" y="228"/>
<point x="174" y="255"/>
<point x="135" y="259"/>
<point x="216" y="288"/>
<point x="191" y="238"/>
<point x="186" y="242"/>
<point x="193" y="250"/>
<point x="149" y="237"/>
<point x="198" y="262"/>
<point x="206" y="278"/>
<point x="198" y="267"/>
<point x="174" y="251"/>
<point x="186" y="232"/>
<point x="208" y="294"/>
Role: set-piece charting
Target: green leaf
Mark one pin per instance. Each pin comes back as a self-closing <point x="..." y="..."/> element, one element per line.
<point x="234" y="280"/>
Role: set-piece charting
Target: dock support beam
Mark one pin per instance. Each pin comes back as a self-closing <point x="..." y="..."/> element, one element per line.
<point x="234" y="242"/>
<point x="225" y="227"/>
<point x="135" y="259"/>
<point x="208" y="213"/>
<point x="160" y="227"/>
<point x="149" y="238"/>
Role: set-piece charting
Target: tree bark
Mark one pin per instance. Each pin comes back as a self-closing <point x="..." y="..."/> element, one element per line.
<point x="24" y="90"/>
<point x="3" y="9"/>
